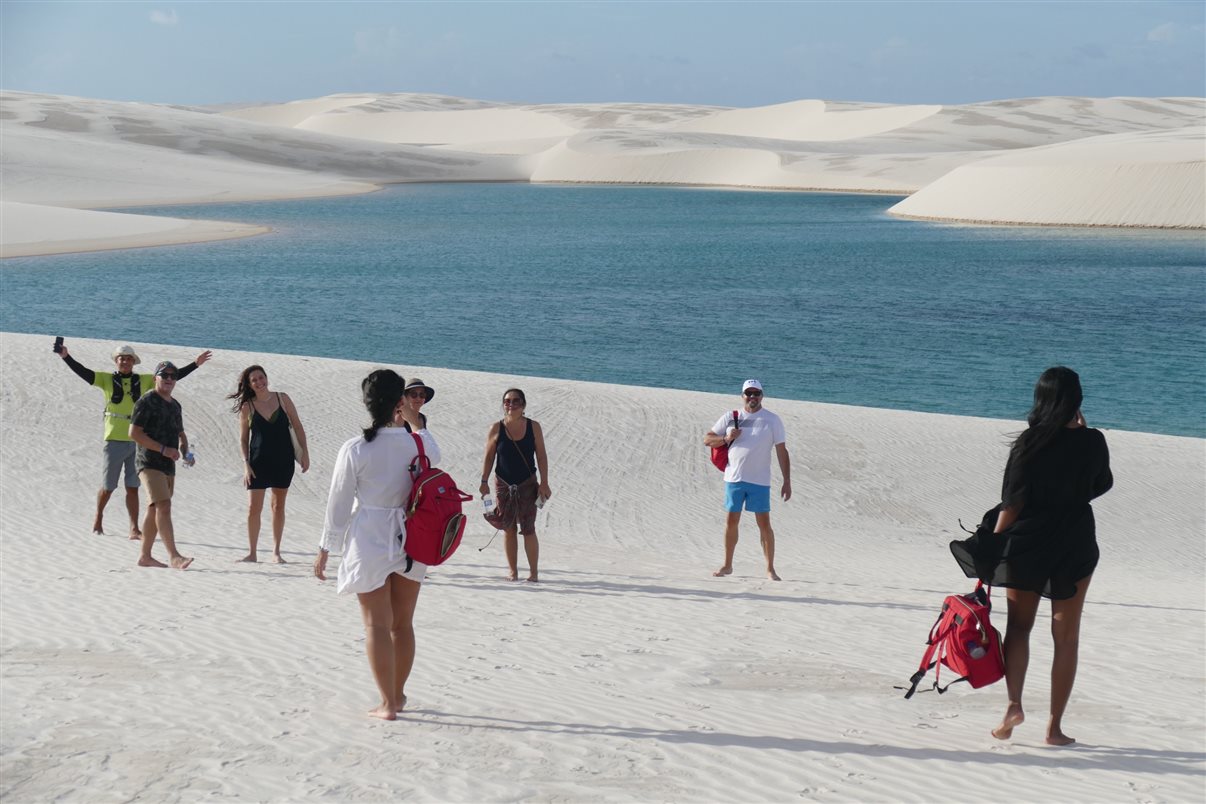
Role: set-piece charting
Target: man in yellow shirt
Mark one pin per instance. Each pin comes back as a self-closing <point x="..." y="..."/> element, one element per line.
<point x="122" y="388"/>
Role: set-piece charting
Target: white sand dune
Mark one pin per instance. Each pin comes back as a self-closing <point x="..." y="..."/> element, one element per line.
<point x="629" y="673"/>
<point x="1144" y="179"/>
<point x="975" y="161"/>
<point x="32" y="229"/>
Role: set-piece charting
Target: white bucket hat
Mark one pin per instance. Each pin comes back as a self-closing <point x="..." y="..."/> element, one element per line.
<point x="126" y="350"/>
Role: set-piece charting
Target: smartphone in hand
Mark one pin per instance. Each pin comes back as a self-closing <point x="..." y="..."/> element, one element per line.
<point x="58" y="345"/>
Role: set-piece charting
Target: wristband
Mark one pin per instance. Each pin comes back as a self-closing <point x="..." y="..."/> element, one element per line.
<point x="162" y="447"/>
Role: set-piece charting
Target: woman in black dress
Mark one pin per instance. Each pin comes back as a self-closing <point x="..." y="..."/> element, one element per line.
<point x="1041" y="541"/>
<point x="265" y="419"/>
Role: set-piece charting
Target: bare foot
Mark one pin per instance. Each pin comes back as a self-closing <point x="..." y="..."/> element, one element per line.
<point x="250" y="558"/>
<point x="150" y="562"/>
<point x="774" y="576"/>
<point x="1014" y="716"/>
<point x="402" y="703"/>
<point x="135" y="534"/>
<point x="276" y="559"/>
<point x="1056" y="736"/>
<point x="512" y="576"/>
<point x="97" y="530"/>
<point x="533" y="579"/>
<point x="723" y="571"/>
<point x="180" y="562"/>
<point x="383" y="711"/>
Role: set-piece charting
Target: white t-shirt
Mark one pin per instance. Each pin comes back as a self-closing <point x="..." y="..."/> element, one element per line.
<point x="750" y="454"/>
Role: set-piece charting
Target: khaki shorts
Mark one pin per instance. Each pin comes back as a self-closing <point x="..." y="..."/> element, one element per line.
<point x="157" y="485"/>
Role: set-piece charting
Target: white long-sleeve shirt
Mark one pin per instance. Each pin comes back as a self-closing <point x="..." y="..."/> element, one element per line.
<point x="366" y="507"/>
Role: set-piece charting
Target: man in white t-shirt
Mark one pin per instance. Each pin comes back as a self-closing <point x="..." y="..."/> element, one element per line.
<point x="747" y="480"/>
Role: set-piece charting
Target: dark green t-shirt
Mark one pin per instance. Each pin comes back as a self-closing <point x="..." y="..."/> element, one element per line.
<point x="163" y="421"/>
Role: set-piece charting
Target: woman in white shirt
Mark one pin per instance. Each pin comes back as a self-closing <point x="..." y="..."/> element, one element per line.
<point x="366" y="518"/>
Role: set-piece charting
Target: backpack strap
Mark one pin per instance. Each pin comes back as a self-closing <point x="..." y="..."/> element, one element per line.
<point x="421" y="461"/>
<point x="135" y="386"/>
<point x="117" y="393"/>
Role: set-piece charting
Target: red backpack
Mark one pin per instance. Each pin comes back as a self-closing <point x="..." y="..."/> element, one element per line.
<point x="965" y="641"/>
<point x="720" y="455"/>
<point x="434" y="522"/>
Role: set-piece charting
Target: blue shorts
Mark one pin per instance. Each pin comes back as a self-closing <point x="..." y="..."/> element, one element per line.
<point x="756" y="498"/>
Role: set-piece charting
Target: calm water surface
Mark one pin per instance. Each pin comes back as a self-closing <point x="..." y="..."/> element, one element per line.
<point x="824" y="297"/>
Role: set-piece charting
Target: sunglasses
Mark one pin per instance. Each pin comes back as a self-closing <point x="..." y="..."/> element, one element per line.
<point x="168" y="375"/>
<point x="417" y="394"/>
<point x="512" y="402"/>
<point x="752" y="393"/>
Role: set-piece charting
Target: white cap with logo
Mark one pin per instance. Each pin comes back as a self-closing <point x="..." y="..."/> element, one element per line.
<point x="757" y="386"/>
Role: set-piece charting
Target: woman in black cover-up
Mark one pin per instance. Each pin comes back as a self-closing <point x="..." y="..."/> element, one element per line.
<point x="1041" y="541"/>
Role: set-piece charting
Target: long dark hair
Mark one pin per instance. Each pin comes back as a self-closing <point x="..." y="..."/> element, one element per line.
<point x="1057" y="398"/>
<point x="382" y="393"/>
<point x="243" y="393"/>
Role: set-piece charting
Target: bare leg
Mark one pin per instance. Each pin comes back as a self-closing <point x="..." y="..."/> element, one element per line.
<point x="149" y="532"/>
<point x="132" y="510"/>
<point x="511" y="548"/>
<point x="278" y="523"/>
<point x="730" y="543"/>
<point x="377" y="610"/>
<point x="404" y="595"/>
<point x="102" y="499"/>
<point x="531" y="549"/>
<point x="255" y="508"/>
<point x="1065" y="631"/>
<point x="163" y="521"/>
<point x="767" y="534"/>
<point x="1023" y="606"/>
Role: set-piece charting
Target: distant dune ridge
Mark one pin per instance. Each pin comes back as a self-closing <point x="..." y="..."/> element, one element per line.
<point x="1054" y="161"/>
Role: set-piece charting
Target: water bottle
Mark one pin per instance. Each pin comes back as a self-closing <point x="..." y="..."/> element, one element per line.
<point x="190" y="457"/>
<point x="488" y="504"/>
<point x="975" y="649"/>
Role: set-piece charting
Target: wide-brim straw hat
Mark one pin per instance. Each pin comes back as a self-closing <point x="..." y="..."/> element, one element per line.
<point x="126" y="350"/>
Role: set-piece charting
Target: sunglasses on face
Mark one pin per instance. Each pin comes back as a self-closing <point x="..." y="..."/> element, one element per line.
<point x="168" y="376"/>
<point x="417" y="395"/>
<point x="753" y="393"/>
<point x="512" y="402"/>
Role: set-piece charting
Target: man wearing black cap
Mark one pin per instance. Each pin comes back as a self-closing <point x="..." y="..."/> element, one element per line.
<point x="157" y="427"/>
<point x="122" y="388"/>
<point x="750" y="441"/>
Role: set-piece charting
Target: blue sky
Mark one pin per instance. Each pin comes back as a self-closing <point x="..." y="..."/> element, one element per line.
<point x="732" y="54"/>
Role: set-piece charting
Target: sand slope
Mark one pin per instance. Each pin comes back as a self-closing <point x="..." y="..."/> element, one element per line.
<point x="629" y="674"/>
<point x="1144" y="179"/>
<point x="975" y="161"/>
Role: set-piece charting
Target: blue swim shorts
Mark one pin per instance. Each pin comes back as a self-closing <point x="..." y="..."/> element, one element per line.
<point x="756" y="498"/>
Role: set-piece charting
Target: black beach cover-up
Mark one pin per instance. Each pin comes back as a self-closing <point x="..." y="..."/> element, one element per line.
<point x="1053" y="542"/>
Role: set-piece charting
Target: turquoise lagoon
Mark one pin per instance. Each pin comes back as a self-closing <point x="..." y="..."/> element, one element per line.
<point x="824" y="297"/>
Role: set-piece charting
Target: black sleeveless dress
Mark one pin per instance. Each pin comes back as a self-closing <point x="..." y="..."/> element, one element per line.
<point x="271" y="449"/>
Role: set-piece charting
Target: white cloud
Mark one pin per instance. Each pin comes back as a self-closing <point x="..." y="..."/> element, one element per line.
<point x="164" y="17"/>
<point x="1163" y="33"/>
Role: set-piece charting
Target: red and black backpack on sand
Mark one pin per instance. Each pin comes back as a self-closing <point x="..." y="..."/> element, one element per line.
<point x="434" y="520"/>
<point x="965" y="641"/>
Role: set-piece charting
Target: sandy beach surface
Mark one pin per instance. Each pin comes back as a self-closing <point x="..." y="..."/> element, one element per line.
<point x="628" y="673"/>
<point x="1050" y="161"/>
